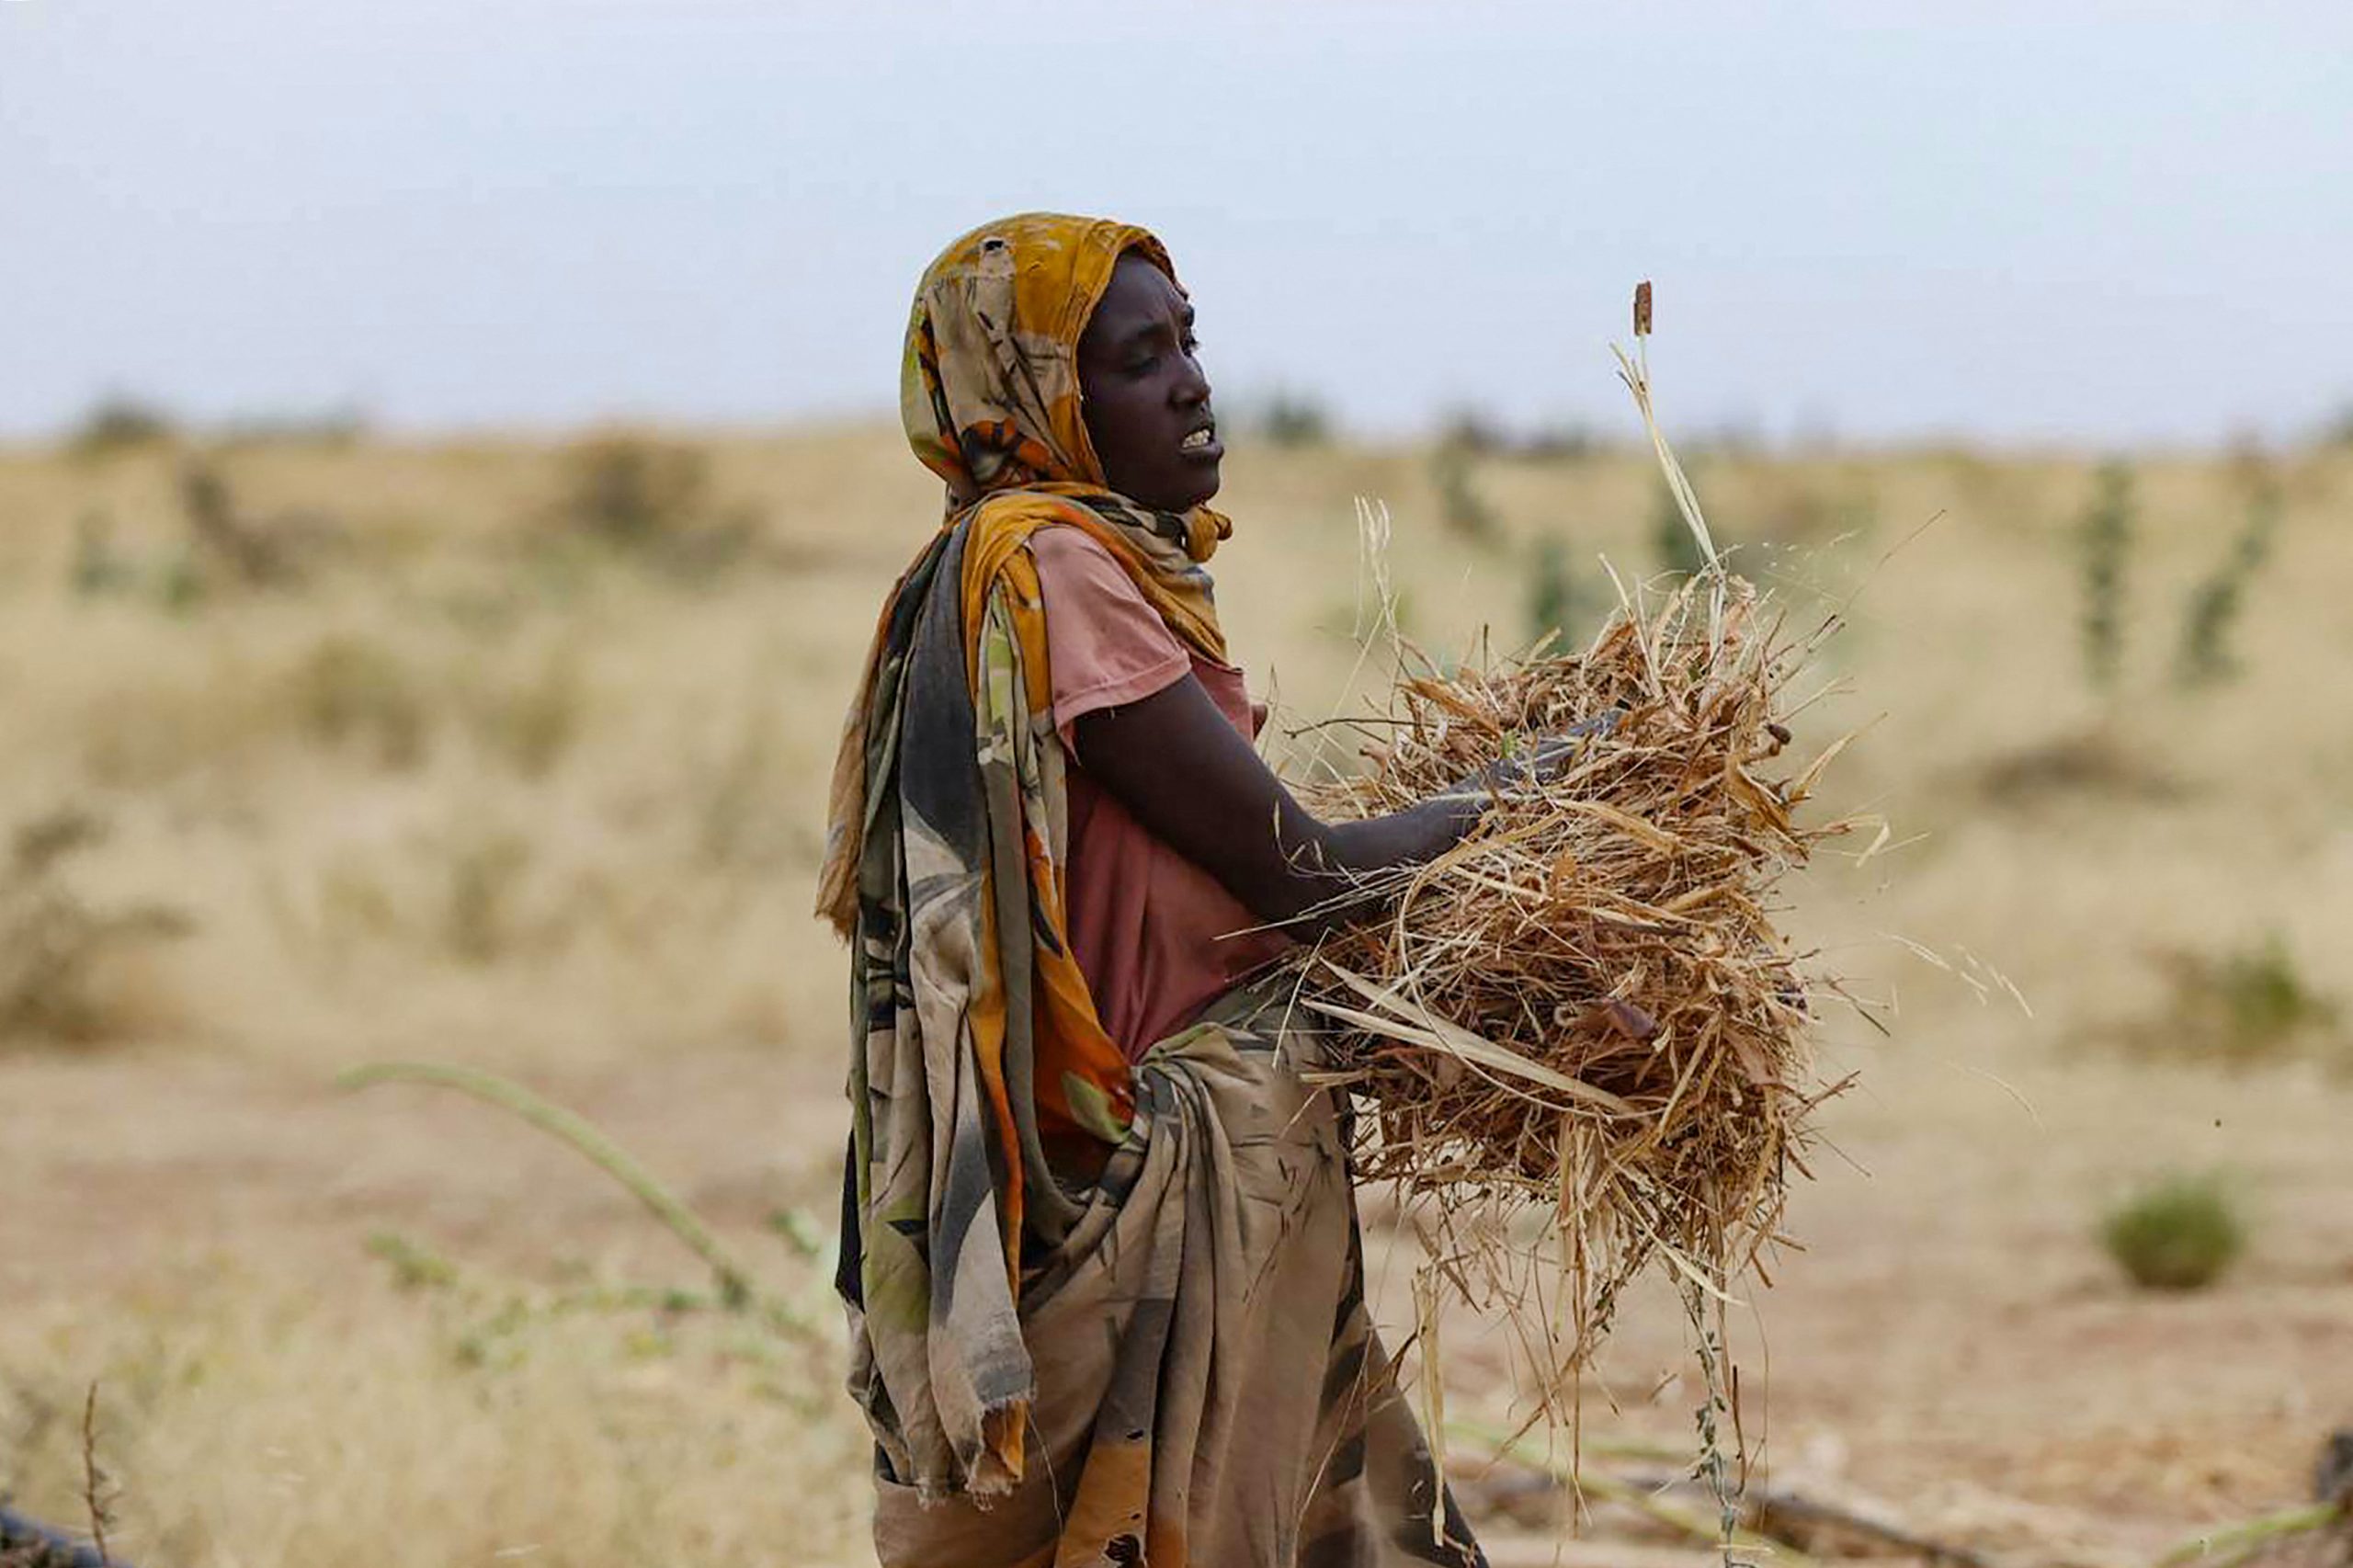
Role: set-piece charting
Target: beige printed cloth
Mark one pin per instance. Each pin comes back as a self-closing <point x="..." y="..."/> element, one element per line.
<point x="1210" y="1388"/>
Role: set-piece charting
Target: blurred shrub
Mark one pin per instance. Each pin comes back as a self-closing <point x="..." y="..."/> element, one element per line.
<point x="531" y="724"/>
<point x="651" y="500"/>
<point x="179" y="583"/>
<point x="1787" y="507"/>
<point x="224" y="547"/>
<point x="480" y="919"/>
<point x="1561" y="441"/>
<point x="2095" y="761"/>
<point x="2104" y="539"/>
<point x="468" y="895"/>
<point x="349" y="691"/>
<point x="1556" y="604"/>
<point x="1481" y="435"/>
<point x="98" y="569"/>
<point x="2242" y="1006"/>
<point x="2205" y="656"/>
<point x="56" y="946"/>
<point x="632" y="492"/>
<point x="1294" y="419"/>
<point x="1472" y="432"/>
<point x="354" y="693"/>
<point x="744" y="819"/>
<point x="413" y="1266"/>
<point x="1460" y="506"/>
<point x="228" y="545"/>
<point x="117" y="424"/>
<point x="1732" y="441"/>
<point x="332" y="429"/>
<point x="2178" y="1234"/>
<point x="2107" y="541"/>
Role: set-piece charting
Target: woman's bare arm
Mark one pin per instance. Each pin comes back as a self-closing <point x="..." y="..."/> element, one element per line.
<point x="1189" y="776"/>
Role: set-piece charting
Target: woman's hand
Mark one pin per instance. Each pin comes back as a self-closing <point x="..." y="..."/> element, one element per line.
<point x="1534" y="764"/>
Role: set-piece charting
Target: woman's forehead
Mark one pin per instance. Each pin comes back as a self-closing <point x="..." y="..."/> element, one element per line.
<point x="1140" y="296"/>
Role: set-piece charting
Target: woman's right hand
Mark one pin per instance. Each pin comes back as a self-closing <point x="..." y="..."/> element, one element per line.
<point x="1533" y="765"/>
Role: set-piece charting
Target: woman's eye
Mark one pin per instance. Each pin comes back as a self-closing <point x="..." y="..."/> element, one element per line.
<point x="1145" y="363"/>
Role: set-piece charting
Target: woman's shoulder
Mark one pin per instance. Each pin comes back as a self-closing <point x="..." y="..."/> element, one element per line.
<point x="1068" y="550"/>
<point x="1050" y="531"/>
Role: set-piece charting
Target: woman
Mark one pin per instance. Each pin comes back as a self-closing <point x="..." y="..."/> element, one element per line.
<point x="1099" y="1247"/>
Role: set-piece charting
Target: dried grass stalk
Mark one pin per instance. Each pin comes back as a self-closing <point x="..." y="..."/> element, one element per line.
<point x="1587" y="1004"/>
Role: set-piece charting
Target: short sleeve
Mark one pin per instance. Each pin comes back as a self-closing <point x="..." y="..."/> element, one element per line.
<point x="1108" y="646"/>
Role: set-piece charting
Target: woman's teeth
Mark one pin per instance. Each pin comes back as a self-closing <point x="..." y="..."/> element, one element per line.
<point x="1195" y="441"/>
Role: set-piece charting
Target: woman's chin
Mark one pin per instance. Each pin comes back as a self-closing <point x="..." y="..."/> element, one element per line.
<point x="1203" y="487"/>
<point x="1192" y="485"/>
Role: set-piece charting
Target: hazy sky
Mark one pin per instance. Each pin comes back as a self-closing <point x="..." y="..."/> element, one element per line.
<point x="2047" y="222"/>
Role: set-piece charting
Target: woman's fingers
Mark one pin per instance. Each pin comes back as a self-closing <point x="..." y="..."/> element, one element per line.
<point x="1533" y="764"/>
<point x="1600" y="724"/>
<point x="1554" y="752"/>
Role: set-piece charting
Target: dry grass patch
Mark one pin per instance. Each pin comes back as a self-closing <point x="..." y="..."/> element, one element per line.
<point x="255" y="1421"/>
<point x="72" y="970"/>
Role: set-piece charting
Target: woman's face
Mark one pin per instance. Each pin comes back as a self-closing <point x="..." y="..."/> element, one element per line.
<point x="1145" y="400"/>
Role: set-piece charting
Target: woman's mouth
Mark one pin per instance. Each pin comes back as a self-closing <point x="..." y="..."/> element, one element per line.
<point x="1201" y="445"/>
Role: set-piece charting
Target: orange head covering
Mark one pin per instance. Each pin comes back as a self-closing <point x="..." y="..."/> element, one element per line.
<point x="988" y="386"/>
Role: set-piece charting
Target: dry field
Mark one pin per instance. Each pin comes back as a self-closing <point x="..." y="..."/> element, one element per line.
<point x="398" y="757"/>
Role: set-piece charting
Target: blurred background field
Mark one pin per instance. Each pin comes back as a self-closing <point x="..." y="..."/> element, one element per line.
<point x="326" y="747"/>
<point x="445" y="665"/>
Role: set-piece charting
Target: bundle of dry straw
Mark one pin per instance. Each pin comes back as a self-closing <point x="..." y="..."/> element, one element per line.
<point x="1586" y="1002"/>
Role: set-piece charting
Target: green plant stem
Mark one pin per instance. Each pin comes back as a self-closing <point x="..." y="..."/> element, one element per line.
<point x="736" y="1287"/>
<point x="2237" y="1543"/>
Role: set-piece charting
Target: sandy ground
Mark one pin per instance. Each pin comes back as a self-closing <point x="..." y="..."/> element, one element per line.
<point x="621" y="924"/>
<point x="1947" y="1343"/>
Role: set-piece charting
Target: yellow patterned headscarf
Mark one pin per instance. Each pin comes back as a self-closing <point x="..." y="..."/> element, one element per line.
<point x="988" y="386"/>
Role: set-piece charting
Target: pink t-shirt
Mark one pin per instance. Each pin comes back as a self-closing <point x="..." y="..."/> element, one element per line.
<point x="1154" y="935"/>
